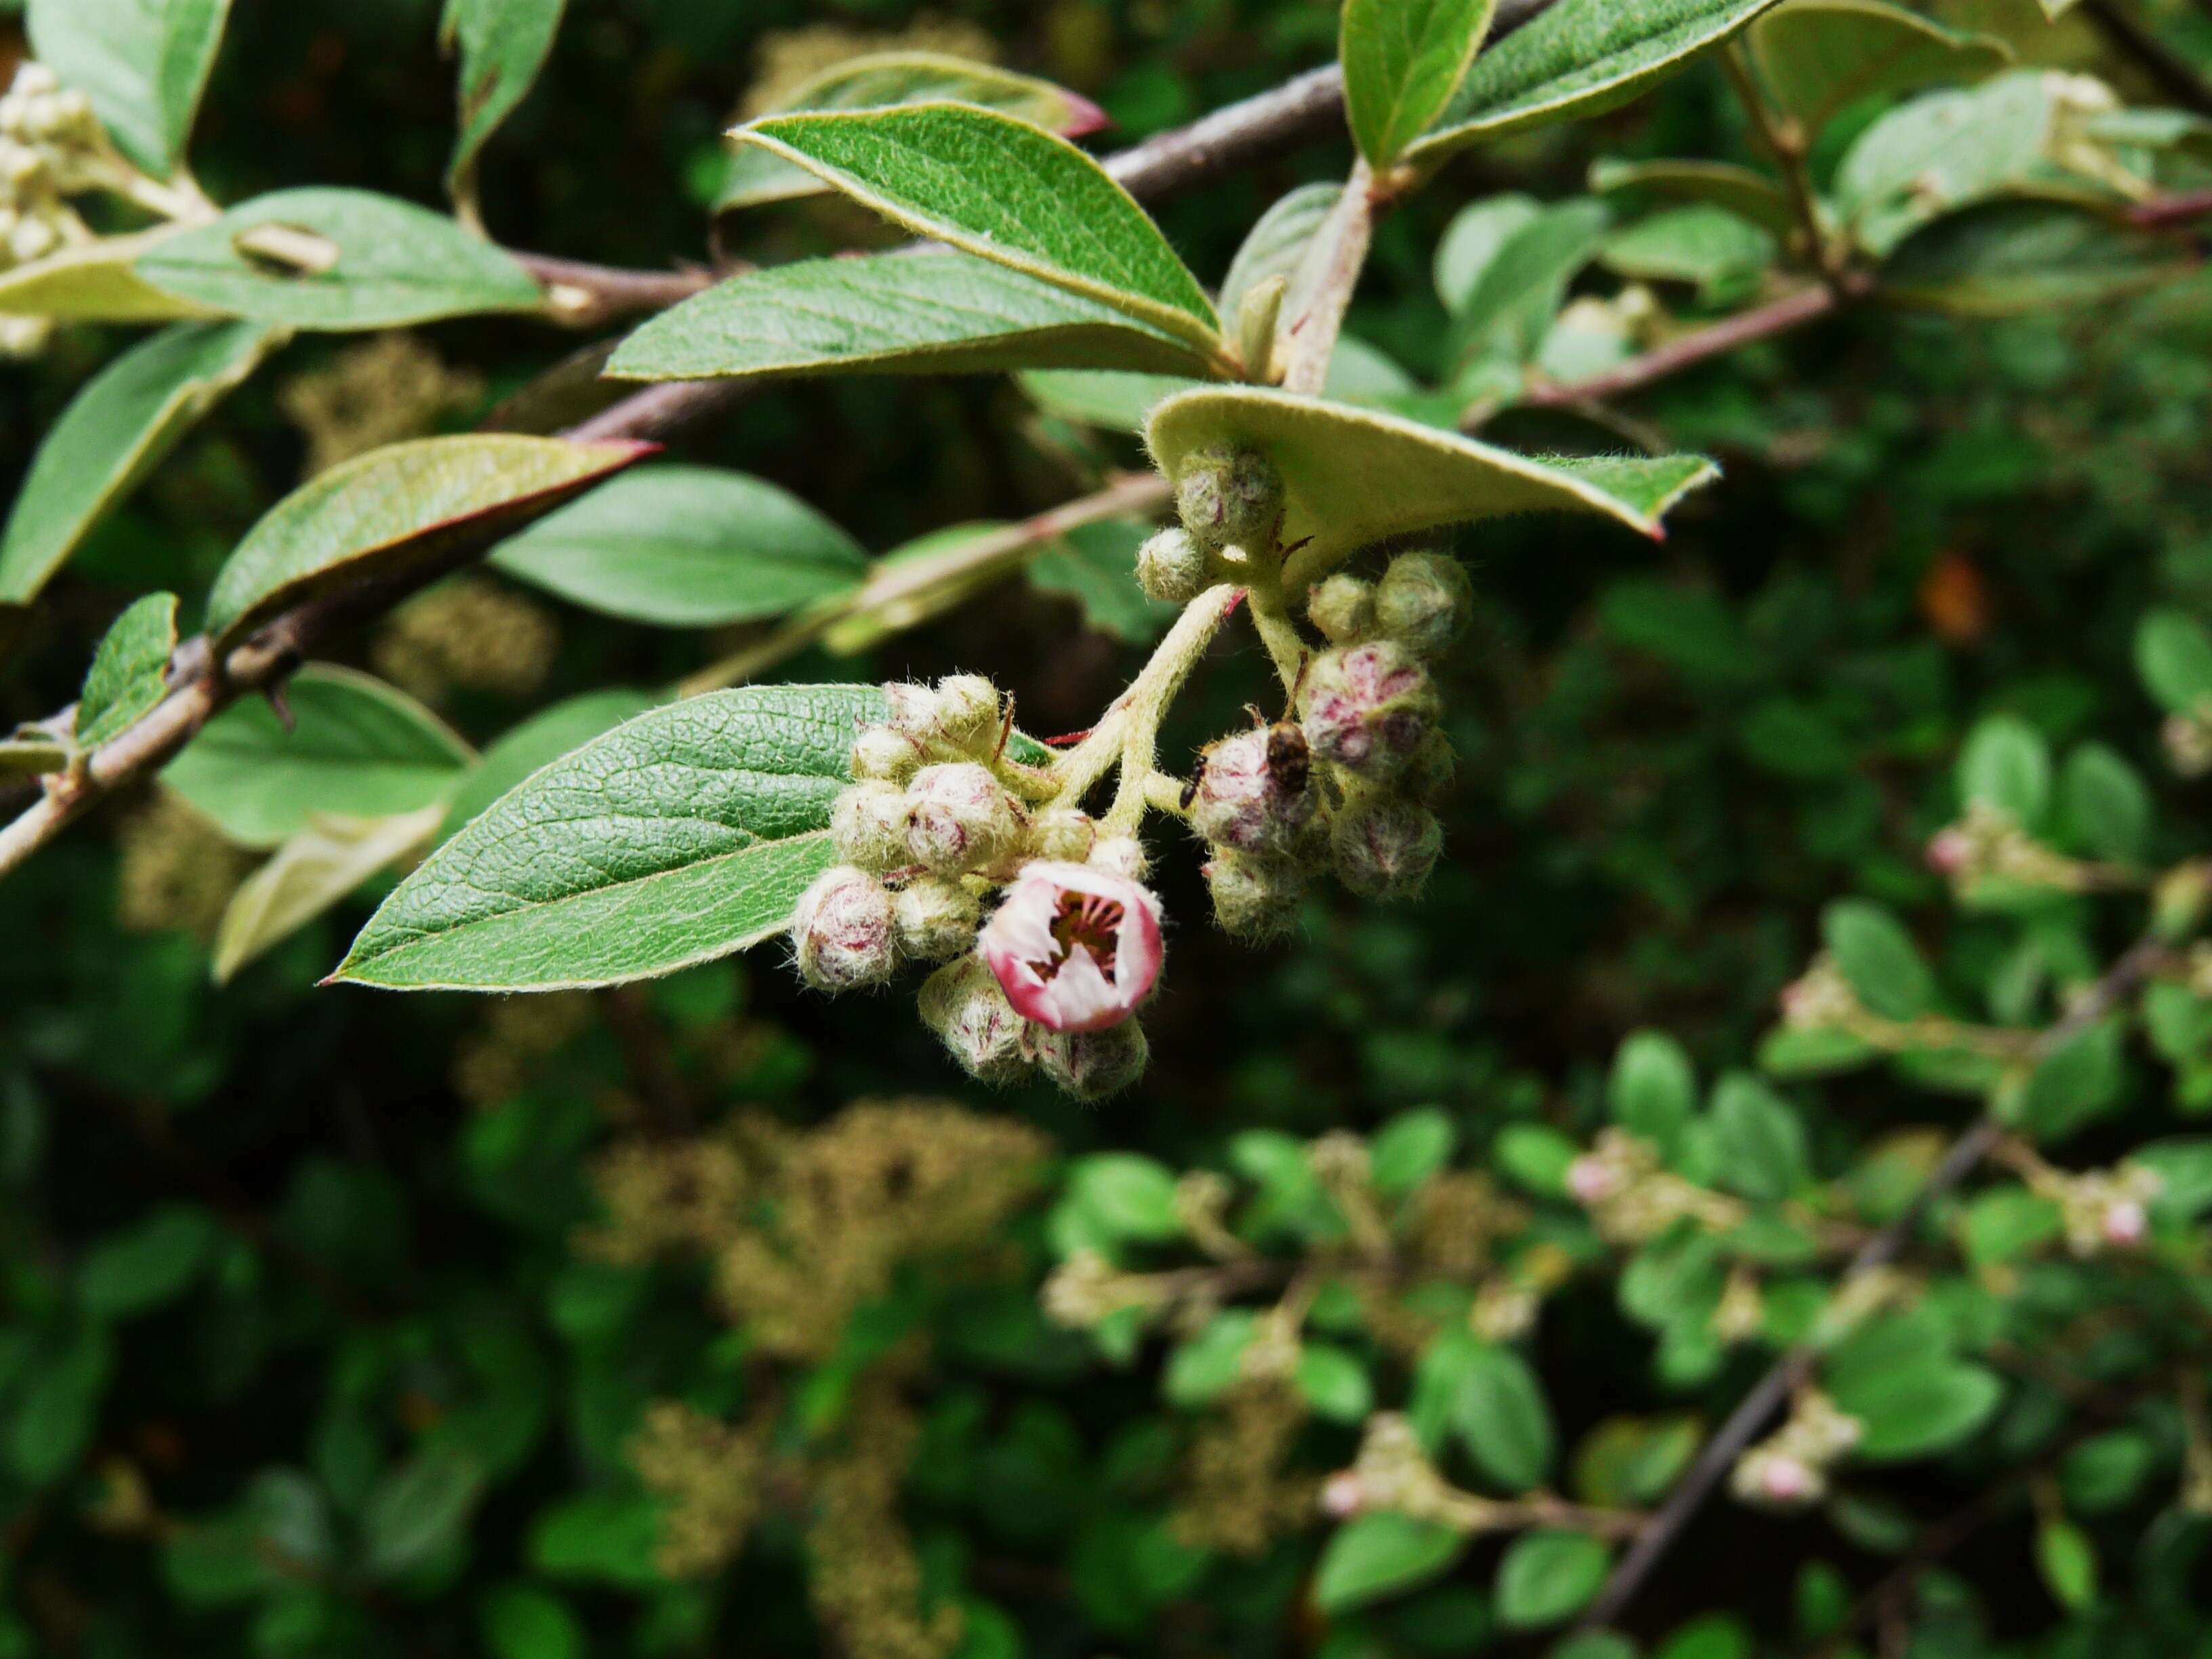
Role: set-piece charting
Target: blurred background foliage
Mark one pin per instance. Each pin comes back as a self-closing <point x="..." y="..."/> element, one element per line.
<point x="334" y="1323"/>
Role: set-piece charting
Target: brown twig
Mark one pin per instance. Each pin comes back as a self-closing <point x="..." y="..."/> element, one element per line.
<point x="587" y="295"/>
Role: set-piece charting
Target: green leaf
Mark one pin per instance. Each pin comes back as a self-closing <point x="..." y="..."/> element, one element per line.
<point x="1878" y="957"/>
<point x="1501" y="1414"/>
<point x="2006" y="766"/>
<point x="1578" y="57"/>
<point x="1402" y="61"/>
<point x="681" y="837"/>
<point x="1652" y="1091"/>
<point x="1509" y="307"/>
<point x="2108" y="1471"/>
<point x="1006" y="191"/>
<point x="520" y="1621"/>
<point x="1378" y="1554"/>
<point x="55" y="1415"/>
<point x="116" y="431"/>
<point x="1759" y="1142"/>
<point x="938" y="313"/>
<point x="2068" y="1561"/>
<point x="96" y="282"/>
<point x="1357" y="373"/>
<point x="1747" y="194"/>
<point x="1818" y="58"/>
<point x="503" y="46"/>
<point x="355" y="746"/>
<point x="2173" y="654"/>
<point x="1627" y="1460"/>
<point x="2184" y="1167"/>
<point x="129" y="671"/>
<point x="2105" y="804"/>
<point x="150" y="1263"/>
<point x="2011" y="258"/>
<point x="1130" y="1196"/>
<point x="1706" y="245"/>
<point x="2078" y="1082"/>
<point x="540" y="741"/>
<point x="309" y="875"/>
<point x="879" y="80"/>
<point x="400" y="507"/>
<point x="1546" y="1577"/>
<point x="2007" y="1222"/>
<point x="1333" y="1383"/>
<point x="1276" y="246"/>
<point x="1410" y="1148"/>
<point x="418" y="1510"/>
<point x="1353" y="477"/>
<point x="142" y="63"/>
<point x="1536" y="1157"/>
<point x="337" y="260"/>
<point x="686" y="547"/>
<point x="599" y="1538"/>
<point x="924" y="578"/>
<point x="1208" y="1365"/>
<point x="1897" y="1375"/>
<point x="1472" y="241"/>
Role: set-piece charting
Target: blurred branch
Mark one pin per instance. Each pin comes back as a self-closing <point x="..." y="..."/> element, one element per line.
<point x="585" y="295"/>
<point x="2119" y="982"/>
<point x="2174" y="76"/>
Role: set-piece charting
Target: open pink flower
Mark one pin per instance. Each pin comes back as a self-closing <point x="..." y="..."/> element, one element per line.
<point x="1075" y="947"/>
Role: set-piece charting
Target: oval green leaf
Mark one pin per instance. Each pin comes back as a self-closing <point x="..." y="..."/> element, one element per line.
<point x="1817" y="58"/>
<point x="540" y="741"/>
<point x="129" y="671"/>
<point x="142" y="63"/>
<point x="309" y="874"/>
<point x="113" y="433"/>
<point x="681" y="837"/>
<point x="400" y="507"/>
<point x="96" y="282"/>
<point x="1378" y="1554"/>
<point x="1004" y="191"/>
<point x="337" y="260"/>
<point x="503" y="45"/>
<point x="1402" y="61"/>
<point x="1747" y="194"/>
<point x="891" y="314"/>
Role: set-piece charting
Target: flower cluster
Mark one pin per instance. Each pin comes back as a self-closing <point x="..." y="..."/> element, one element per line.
<point x="1790" y="1469"/>
<point x="1987" y="847"/>
<point x="51" y="148"/>
<point x="1632" y="1200"/>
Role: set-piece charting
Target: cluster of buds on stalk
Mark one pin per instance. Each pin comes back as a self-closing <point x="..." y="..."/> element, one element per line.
<point x="1631" y="1199"/>
<point x="51" y="148"/>
<point x="934" y="825"/>
<point x="2106" y="1210"/>
<point x="1986" y="845"/>
<point x="1790" y="1467"/>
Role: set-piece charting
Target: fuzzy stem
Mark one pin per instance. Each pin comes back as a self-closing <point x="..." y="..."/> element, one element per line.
<point x="1785" y="141"/>
<point x="1135" y="718"/>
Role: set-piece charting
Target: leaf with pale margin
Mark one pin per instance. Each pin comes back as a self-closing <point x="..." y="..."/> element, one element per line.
<point x="400" y="507"/>
<point x="129" y="671"/>
<point x="927" y="577"/>
<point x="2021" y="258"/>
<point x="378" y="262"/>
<point x="891" y="314"/>
<point x="503" y="46"/>
<point x="142" y="63"/>
<point x="1357" y="373"/>
<point x="686" y="547"/>
<point x="1699" y="244"/>
<point x="681" y="837"/>
<point x="116" y="431"/>
<point x="1950" y="150"/>
<point x="1817" y="58"/>
<point x="355" y="746"/>
<point x="540" y="741"/>
<point x="881" y="80"/>
<point x="1402" y="61"/>
<point x="96" y="282"/>
<point x="1353" y="476"/>
<point x="1006" y="191"/>
<point x="1578" y="57"/>
<point x="309" y="875"/>
<point x="1277" y="245"/>
<point x="1747" y="194"/>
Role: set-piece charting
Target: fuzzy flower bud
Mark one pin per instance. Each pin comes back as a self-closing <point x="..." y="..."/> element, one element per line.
<point x="967" y="711"/>
<point x="1076" y="947"/>
<point x="957" y="818"/>
<point x="882" y="754"/>
<point x="1093" y="1065"/>
<point x="1368" y="707"/>
<point x="1172" y="568"/>
<point x="1254" y="790"/>
<point x="1121" y="855"/>
<point x="1230" y="497"/>
<point x="1424" y="601"/>
<point x="841" y="930"/>
<point x="1430" y="769"/>
<point x="1342" y="608"/>
<point x="913" y="708"/>
<point x="1386" y="848"/>
<point x="963" y="1003"/>
<point x="1776" y="1479"/>
<point x="867" y="826"/>
<point x="1255" y="897"/>
<point x="935" y="919"/>
<point x="1065" y="835"/>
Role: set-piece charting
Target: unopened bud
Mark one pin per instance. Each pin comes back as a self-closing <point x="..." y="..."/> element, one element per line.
<point x="1172" y="568"/>
<point x="884" y="754"/>
<point x="1228" y="497"/>
<point x="841" y="930"/>
<point x="1424" y="601"/>
<point x="867" y="826"/>
<point x="936" y="919"/>
<point x="1386" y="848"/>
<point x="964" y="1005"/>
<point x="1430" y="769"/>
<point x="1093" y="1065"/>
<point x="957" y="818"/>
<point x="1592" y="1180"/>
<point x="1255" y="897"/>
<point x="1368" y="707"/>
<point x="1125" y="855"/>
<point x="2127" y="1224"/>
<point x="1066" y="835"/>
<point x="1343" y="609"/>
<point x="967" y="711"/>
<point x="1255" y="791"/>
<point x="913" y="708"/>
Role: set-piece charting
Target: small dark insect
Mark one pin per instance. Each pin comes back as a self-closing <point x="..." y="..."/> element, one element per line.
<point x="1289" y="757"/>
<point x="1197" y="779"/>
